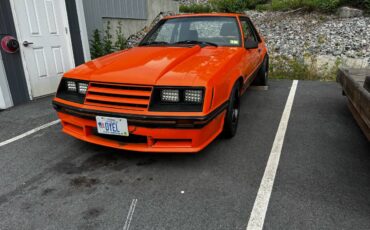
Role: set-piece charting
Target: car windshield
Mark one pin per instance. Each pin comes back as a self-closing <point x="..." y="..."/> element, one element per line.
<point x="212" y="31"/>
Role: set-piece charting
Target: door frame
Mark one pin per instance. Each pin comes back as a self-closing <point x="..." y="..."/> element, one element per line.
<point x="24" y="62"/>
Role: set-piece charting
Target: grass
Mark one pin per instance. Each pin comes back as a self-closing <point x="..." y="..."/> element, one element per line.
<point x="326" y="6"/>
<point x="283" y="67"/>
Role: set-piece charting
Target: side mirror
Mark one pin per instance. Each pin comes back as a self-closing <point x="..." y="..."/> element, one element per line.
<point x="250" y="44"/>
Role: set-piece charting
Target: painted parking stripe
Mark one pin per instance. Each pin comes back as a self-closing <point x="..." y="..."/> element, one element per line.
<point x="257" y="217"/>
<point x="32" y="131"/>
<point x="130" y="214"/>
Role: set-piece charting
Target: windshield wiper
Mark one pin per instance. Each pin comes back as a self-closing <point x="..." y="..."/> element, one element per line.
<point x="154" y="43"/>
<point x="202" y="43"/>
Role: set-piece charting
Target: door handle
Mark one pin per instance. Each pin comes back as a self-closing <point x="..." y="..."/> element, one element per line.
<point x="26" y="43"/>
<point x="259" y="50"/>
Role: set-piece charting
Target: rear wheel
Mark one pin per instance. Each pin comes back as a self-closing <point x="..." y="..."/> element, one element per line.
<point x="232" y="114"/>
<point x="263" y="74"/>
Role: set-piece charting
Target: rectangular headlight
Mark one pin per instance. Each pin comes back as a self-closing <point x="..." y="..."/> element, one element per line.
<point x="177" y="99"/>
<point x="193" y="96"/>
<point x="71" y="86"/>
<point x="170" y="95"/>
<point x="72" y="90"/>
<point x="82" y="87"/>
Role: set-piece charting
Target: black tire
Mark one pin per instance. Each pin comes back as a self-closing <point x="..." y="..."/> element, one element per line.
<point x="263" y="74"/>
<point x="232" y="114"/>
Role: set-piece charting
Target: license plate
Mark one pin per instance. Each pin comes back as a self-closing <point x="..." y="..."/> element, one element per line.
<point x="112" y="126"/>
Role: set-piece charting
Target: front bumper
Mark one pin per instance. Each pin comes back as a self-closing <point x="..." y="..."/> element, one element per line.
<point x="147" y="133"/>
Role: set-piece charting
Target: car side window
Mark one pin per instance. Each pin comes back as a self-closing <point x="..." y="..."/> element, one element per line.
<point x="247" y="30"/>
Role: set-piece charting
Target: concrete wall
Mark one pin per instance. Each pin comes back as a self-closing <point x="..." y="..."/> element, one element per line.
<point x="5" y="96"/>
<point x="96" y="10"/>
<point x="130" y="25"/>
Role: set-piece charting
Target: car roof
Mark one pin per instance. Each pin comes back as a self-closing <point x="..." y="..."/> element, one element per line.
<point x="205" y="15"/>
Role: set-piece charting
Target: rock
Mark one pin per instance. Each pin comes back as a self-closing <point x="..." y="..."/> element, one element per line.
<point x="367" y="84"/>
<point x="348" y="12"/>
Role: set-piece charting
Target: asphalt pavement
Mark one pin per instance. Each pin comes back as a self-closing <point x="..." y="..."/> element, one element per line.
<point x="52" y="181"/>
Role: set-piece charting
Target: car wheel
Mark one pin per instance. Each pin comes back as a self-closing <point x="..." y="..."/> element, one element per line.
<point x="263" y="74"/>
<point x="232" y="114"/>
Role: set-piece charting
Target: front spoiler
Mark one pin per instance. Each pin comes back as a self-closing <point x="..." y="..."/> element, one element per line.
<point x="182" y="122"/>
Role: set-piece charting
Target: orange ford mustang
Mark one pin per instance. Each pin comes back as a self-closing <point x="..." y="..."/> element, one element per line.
<point x="175" y="92"/>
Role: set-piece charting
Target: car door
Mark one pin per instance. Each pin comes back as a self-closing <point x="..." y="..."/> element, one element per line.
<point x="251" y="56"/>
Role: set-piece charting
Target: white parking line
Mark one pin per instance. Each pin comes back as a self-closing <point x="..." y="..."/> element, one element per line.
<point x="130" y="214"/>
<point x="257" y="217"/>
<point x="32" y="131"/>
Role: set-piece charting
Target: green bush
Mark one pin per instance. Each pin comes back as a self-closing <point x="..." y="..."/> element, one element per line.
<point x="121" y="42"/>
<point x="318" y="5"/>
<point x="96" y="45"/>
<point x="263" y="7"/>
<point x="282" y="67"/>
<point x="231" y="6"/>
<point x="196" y="8"/>
<point x="313" y="5"/>
<point x="107" y="40"/>
<point x="226" y="6"/>
<point x="103" y="46"/>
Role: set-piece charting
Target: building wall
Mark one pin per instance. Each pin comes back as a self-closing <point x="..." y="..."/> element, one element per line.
<point x="133" y="17"/>
<point x="12" y="63"/>
<point x="96" y="10"/>
<point x="5" y="96"/>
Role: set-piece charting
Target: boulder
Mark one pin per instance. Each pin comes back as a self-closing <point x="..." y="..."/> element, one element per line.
<point x="348" y="12"/>
<point x="367" y="84"/>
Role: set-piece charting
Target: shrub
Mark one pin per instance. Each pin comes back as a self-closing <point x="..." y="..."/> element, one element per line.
<point x="283" y="67"/>
<point x="231" y="6"/>
<point x="121" y="42"/>
<point x="96" y="45"/>
<point x="226" y="6"/>
<point x="107" y="40"/>
<point x="263" y="7"/>
<point x="196" y="8"/>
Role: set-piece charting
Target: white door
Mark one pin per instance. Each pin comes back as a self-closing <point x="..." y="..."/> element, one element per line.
<point x="43" y="34"/>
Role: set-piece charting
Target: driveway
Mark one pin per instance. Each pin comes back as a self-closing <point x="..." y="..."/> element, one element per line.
<point x="52" y="181"/>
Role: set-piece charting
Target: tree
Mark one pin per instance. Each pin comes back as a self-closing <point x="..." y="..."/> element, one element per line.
<point x="107" y="40"/>
<point x="121" y="42"/>
<point x="96" y="45"/>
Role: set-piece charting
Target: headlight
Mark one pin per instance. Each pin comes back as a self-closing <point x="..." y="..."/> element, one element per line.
<point x="71" y="86"/>
<point x="194" y="96"/>
<point x="82" y="87"/>
<point x="72" y="90"/>
<point x="170" y="95"/>
<point x="177" y="99"/>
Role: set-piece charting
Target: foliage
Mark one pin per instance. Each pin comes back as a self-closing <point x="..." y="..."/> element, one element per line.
<point x="121" y="42"/>
<point x="196" y="8"/>
<point x="227" y="6"/>
<point x="282" y="67"/>
<point x="96" y="45"/>
<point x="230" y="6"/>
<point x="99" y="47"/>
<point x="319" y="5"/>
<point x="313" y="5"/>
<point x="107" y="40"/>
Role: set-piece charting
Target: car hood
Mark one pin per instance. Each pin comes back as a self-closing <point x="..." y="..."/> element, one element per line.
<point x="158" y="65"/>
